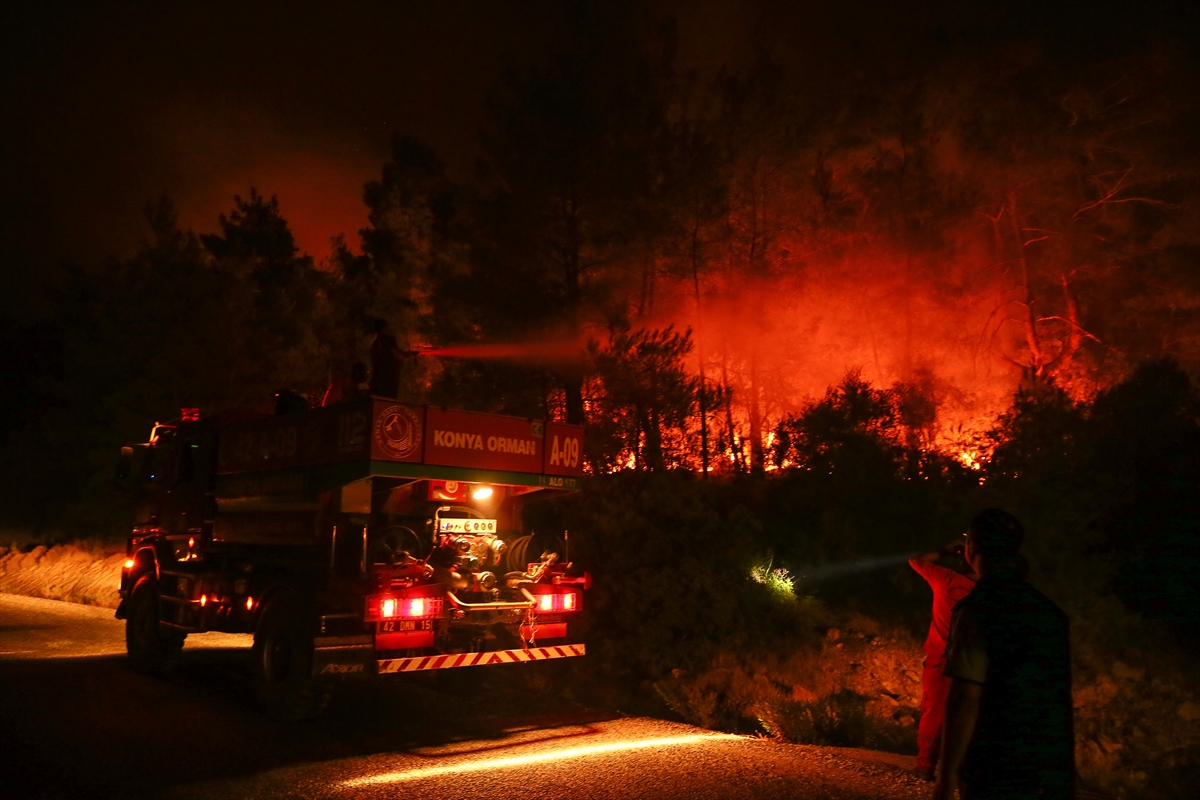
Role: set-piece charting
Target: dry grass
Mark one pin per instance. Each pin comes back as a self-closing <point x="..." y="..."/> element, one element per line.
<point x="856" y="686"/>
<point x="79" y="572"/>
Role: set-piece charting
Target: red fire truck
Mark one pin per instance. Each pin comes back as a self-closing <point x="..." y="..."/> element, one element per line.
<point x="365" y="538"/>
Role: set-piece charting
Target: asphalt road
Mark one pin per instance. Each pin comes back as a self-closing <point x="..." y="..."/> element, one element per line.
<point x="75" y="723"/>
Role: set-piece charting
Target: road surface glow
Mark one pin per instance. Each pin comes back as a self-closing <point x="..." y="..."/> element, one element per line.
<point x="517" y="761"/>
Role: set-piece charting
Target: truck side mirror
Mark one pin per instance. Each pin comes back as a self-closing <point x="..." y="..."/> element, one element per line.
<point x="125" y="481"/>
<point x="131" y="464"/>
<point x="124" y="466"/>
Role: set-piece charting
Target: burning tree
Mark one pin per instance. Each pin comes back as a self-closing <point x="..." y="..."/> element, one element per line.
<point x="642" y="400"/>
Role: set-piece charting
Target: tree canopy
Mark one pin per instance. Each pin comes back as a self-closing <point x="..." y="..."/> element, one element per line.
<point x="685" y="259"/>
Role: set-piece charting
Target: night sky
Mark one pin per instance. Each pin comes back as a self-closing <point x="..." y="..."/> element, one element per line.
<point x="109" y="105"/>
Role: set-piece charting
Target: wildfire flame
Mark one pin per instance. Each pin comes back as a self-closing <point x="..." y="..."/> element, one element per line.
<point x="972" y="459"/>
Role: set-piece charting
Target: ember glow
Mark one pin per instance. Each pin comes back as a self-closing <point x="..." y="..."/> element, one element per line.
<point x="551" y="756"/>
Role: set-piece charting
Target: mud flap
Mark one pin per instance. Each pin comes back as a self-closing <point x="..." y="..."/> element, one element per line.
<point x="343" y="657"/>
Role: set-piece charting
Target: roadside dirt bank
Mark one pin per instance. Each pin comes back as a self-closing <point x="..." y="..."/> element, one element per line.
<point x="86" y="574"/>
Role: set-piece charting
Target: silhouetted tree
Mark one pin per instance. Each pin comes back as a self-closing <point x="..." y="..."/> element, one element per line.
<point x="286" y="338"/>
<point x="1145" y="463"/>
<point x="854" y="425"/>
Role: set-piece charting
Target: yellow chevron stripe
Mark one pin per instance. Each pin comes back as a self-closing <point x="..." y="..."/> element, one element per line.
<point x="422" y="663"/>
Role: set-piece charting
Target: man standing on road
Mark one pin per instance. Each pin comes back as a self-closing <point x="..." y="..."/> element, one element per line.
<point x="1009" y="719"/>
<point x="948" y="588"/>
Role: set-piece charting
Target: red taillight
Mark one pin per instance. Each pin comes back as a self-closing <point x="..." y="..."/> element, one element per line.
<point x="129" y="563"/>
<point x="203" y="600"/>
<point x="390" y="607"/>
<point x="421" y="607"/>
<point x="558" y="601"/>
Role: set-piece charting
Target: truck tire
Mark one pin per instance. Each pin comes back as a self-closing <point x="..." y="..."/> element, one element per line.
<point x="282" y="653"/>
<point x="153" y="648"/>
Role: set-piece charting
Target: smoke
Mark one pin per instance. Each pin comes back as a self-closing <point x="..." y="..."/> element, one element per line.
<point x="317" y="175"/>
<point x="122" y="105"/>
<point x="783" y="340"/>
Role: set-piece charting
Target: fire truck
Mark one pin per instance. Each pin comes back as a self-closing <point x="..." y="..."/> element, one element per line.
<point x="365" y="538"/>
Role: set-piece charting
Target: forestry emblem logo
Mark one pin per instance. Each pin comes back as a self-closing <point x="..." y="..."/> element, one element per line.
<point x="398" y="431"/>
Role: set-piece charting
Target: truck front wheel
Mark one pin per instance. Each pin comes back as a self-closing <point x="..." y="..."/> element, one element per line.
<point x="153" y="648"/>
<point x="282" y="652"/>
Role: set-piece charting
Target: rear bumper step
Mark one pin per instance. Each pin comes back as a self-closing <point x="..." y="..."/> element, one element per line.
<point x="419" y="663"/>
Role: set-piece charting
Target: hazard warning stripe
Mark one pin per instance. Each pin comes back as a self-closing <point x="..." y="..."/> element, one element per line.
<point x="420" y="663"/>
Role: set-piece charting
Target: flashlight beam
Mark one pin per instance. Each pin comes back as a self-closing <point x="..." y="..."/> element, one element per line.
<point x="517" y="761"/>
<point x="827" y="571"/>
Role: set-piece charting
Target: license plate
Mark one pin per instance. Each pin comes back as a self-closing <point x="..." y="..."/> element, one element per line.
<point x="402" y="625"/>
<point x="471" y="525"/>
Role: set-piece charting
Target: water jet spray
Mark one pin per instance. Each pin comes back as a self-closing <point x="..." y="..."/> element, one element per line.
<point x="543" y="351"/>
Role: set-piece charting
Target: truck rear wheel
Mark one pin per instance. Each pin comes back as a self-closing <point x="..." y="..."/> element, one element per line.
<point x="153" y="648"/>
<point x="283" y="679"/>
